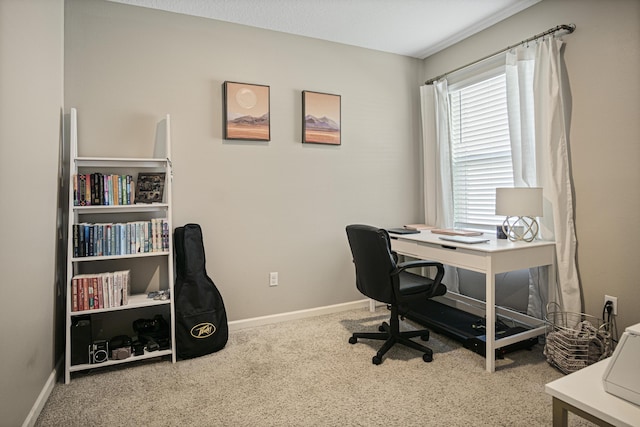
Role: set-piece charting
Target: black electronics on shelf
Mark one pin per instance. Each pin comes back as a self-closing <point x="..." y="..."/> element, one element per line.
<point x="80" y="339"/>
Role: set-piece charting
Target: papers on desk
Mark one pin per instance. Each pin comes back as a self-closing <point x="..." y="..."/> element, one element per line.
<point x="456" y="232"/>
<point x="464" y="239"/>
<point x="418" y="227"/>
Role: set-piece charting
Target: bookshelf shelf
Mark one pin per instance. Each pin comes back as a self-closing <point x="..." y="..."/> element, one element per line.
<point x="135" y="301"/>
<point x="135" y="244"/>
<point x="111" y="362"/>
<point x="111" y="257"/>
<point x="119" y="162"/>
<point x="114" y="209"/>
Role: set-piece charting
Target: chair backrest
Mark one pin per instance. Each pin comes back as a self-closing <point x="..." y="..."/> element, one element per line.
<point x="371" y="250"/>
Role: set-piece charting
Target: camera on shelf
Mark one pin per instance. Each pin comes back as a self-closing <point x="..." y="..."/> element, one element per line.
<point x="120" y="353"/>
<point x="153" y="333"/>
<point x="137" y="348"/>
<point x="120" y="347"/>
<point x="98" y="351"/>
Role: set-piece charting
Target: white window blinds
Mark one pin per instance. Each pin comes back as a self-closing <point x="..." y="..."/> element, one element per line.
<point x="481" y="151"/>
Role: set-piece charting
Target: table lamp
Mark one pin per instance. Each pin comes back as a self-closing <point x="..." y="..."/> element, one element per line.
<point x="520" y="206"/>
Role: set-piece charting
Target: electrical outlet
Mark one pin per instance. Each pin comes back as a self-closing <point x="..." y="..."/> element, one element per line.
<point x="273" y="278"/>
<point x="614" y="301"/>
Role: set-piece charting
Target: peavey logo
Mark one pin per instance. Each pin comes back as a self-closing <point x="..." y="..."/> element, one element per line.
<point x="203" y="330"/>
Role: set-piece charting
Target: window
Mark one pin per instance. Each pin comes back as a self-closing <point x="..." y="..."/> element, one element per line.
<point x="480" y="149"/>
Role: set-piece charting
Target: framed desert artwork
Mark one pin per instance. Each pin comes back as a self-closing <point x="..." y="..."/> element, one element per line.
<point x="320" y="118"/>
<point x="246" y="112"/>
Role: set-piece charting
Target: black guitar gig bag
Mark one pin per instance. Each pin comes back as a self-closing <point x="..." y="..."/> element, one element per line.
<point x="201" y="320"/>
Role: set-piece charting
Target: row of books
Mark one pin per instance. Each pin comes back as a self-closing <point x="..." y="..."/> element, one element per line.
<point x="102" y="189"/>
<point x="103" y="290"/>
<point x="120" y="238"/>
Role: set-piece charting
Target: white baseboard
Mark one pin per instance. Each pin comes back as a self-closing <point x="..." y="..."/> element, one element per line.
<point x="31" y="419"/>
<point x="236" y="325"/>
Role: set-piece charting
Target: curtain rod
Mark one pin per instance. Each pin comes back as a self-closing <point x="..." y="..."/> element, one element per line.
<point x="564" y="27"/>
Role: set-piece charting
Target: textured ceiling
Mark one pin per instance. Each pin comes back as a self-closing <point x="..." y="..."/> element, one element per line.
<point x="416" y="28"/>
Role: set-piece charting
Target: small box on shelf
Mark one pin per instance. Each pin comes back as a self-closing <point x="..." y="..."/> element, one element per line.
<point x="150" y="187"/>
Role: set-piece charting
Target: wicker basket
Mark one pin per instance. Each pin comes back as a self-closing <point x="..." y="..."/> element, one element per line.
<point x="575" y="340"/>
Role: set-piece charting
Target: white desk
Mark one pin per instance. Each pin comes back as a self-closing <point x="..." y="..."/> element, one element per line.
<point x="582" y="393"/>
<point x="491" y="258"/>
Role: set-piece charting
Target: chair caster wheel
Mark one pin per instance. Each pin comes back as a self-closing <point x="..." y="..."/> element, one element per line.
<point x="424" y="337"/>
<point x="427" y="357"/>
<point x="376" y="360"/>
<point x="353" y="340"/>
<point x="381" y="328"/>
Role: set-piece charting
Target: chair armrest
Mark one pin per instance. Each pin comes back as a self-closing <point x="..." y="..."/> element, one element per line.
<point x="420" y="263"/>
<point x="436" y="286"/>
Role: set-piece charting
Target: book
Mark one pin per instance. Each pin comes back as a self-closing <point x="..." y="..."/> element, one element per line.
<point x="97" y="292"/>
<point x="80" y="294"/>
<point x="418" y="227"/>
<point x="87" y="189"/>
<point x="74" y="294"/>
<point x="165" y="235"/>
<point x="456" y="232"/>
<point x="126" y="278"/>
<point x="85" y="294"/>
<point x="95" y="189"/>
<point x="150" y="187"/>
<point x="81" y="190"/>
<point x="128" y="184"/>
<point x="76" y="198"/>
<point x="76" y="240"/>
<point x="402" y="231"/>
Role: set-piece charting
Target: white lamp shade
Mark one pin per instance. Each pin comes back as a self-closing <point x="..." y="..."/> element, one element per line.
<point x="521" y="201"/>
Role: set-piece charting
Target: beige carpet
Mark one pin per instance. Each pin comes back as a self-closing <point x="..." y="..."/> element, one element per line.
<point x="305" y="373"/>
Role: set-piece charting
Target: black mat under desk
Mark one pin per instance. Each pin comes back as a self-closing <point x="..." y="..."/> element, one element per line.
<point x="464" y="327"/>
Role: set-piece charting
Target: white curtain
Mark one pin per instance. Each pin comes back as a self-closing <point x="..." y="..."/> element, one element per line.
<point x="553" y="171"/>
<point x="519" y="72"/>
<point x="519" y="68"/>
<point x="438" y="181"/>
<point x="438" y="191"/>
<point x="540" y="159"/>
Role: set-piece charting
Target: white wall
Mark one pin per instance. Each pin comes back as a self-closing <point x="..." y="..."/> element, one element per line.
<point x="603" y="66"/>
<point x="31" y="43"/>
<point x="277" y="206"/>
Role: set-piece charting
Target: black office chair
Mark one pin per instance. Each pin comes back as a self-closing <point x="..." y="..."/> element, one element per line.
<point x="380" y="277"/>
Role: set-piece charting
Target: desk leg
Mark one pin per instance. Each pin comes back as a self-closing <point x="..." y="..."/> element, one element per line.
<point x="560" y="414"/>
<point x="490" y="321"/>
<point x="561" y="411"/>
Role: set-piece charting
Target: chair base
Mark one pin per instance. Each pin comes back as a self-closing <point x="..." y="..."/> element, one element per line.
<point x="391" y="335"/>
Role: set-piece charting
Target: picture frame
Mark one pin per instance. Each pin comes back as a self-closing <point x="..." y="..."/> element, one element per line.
<point x="247" y="113"/>
<point x="150" y="187"/>
<point x="321" y="118"/>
